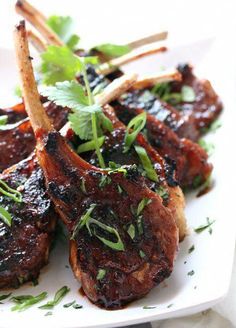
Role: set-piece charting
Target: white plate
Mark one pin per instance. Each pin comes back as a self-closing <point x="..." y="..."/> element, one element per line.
<point x="213" y="255"/>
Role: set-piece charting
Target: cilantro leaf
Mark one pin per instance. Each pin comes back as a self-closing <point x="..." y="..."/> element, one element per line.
<point x="113" y="50"/>
<point x="62" y="26"/>
<point x="81" y="121"/>
<point x="68" y="94"/>
<point x="59" y="64"/>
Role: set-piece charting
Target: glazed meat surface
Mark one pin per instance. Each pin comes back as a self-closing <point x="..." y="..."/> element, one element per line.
<point x="207" y="106"/>
<point x="140" y="262"/>
<point x="17" y="140"/>
<point x="24" y="246"/>
<point x="166" y="185"/>
<point x="16" y="143"/>
<point x="186" y="157"/>
<point x="183" y="126"/>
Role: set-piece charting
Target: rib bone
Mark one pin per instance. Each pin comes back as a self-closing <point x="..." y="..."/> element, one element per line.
<point x="150" y="80"/>
<point x="138" y="53"/>
<point x="38" y="20"/>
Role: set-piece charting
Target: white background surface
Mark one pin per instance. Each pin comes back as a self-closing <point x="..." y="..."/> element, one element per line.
<point x="121" y="21"/>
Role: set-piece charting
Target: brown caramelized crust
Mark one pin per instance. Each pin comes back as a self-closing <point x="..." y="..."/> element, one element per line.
<point x="24" y="247"/>
<point x="74" y="186"/>
<point x="17" y="140"/>
<point x="187" y="157"/>
<point x="207" y="106"/>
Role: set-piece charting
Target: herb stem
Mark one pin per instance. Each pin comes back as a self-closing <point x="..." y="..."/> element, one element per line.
<point x="87" y="86"/>
<point x="96" y="142"/>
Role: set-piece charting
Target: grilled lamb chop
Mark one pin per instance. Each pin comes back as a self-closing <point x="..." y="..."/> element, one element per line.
<point x="166" y="186"/>
<point x="207" y="106"/>
<point x="182" y="125"/>
<point x="17" y="140"/>
<point x="187" y="157"/>
<point x="98" y="220"/>
<point x="24" y="246"/>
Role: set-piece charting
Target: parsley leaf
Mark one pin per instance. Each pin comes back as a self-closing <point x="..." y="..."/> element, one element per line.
<point x="59" y="64"/>
<point x="62" y="26"/>
<point x="113" y="50"/>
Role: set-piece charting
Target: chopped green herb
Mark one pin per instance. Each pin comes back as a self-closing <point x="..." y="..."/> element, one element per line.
<point x="87" y="220"/>
<point x="191" y="249"/>
<point x="82" y="186"/>
<point x="197" y="181"/>
<point x="203" y="227"/>
<point x="48" y="313"/>
<point x="113" y="50"/>
<point x="101" y="274"/>
<point x="142" y="254"/>
<point x="170" y="305"/>
<point x="207" y="146"/>
<point x="163" y="192"/>
<point x="26" y="301"/>
<point x="131" y="231"/>
<point x="136" y="125"/>
<point x="144" y="202"/>
<point x="120" y="190"/>
<point x="5" y="216"/>
<point x="3" y="119"/>
<point x="163" y="91"/>
<point x="146" y="307"/>
<point x="90" y="145"/>
<point x="68" y="304"/>
<point x="116" y="168"/>
<point x="62" y="26"/>
<point x="77" y="306"/>
<point x="10" y="192"/>
<point x="188" y="94"/>
<point x="104" y="180"/>
<point x="191" y="273"/>
<point x="146" y="163"/>
<point x="3" y="297"/>
<point x="60" y="294"/>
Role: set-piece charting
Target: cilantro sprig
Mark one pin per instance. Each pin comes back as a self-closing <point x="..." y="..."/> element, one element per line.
<point x="63" y="27"/>
<point x="87" y="119"/>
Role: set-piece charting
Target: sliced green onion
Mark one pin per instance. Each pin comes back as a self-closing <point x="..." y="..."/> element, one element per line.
<point x="144" y="202"/>
<point x="60" y="294"/>
<point x="146" y="163"/>
<point x="26" y="301"/>
<point x="4" y="296"/>
<point x="87" y="220"/>
<point x="90" y="145"/>
<point x="5" y="216"/>
<point x="131" y="231"/>
<point x="9" y="192"/>
<point x="136" y="124"/>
